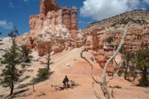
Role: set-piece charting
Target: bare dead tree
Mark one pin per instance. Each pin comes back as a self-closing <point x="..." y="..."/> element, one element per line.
<point x="103" y="82"/>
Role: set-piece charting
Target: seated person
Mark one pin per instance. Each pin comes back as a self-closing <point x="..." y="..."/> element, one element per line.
<point x="65" y="82"/>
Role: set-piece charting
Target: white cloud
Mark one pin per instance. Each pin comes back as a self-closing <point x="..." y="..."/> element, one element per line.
<point x="11" y="5"/>
<point x="101" y="9"/>
<point x="6" y="25"/>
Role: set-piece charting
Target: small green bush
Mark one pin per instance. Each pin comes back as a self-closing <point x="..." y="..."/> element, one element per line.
<point x="142" y="83"/>
<point x="23" y="65"/>
<point x="110" y="39"/>
<point x="22" y="86"/>
<point x="43" y="74"/>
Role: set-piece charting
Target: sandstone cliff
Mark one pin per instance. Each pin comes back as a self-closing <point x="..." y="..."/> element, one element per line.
<point x="52" y="17"/>
<point x="113" y="27"/>
<point x="53" y="26"/>
<point x="103" y="37"/>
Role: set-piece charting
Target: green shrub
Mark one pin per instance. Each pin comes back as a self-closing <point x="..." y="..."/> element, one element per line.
<point x="43" y="74"/>
<point x="22" y="86"/>
<point x="23" y="65"/>
<point x="110" y="39"/>
<point x="143" y="83"/>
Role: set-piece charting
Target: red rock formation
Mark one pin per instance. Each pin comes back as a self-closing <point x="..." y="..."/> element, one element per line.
<point x="48" y="5"/>
<point x="66" y="17"/>
<point x="56" y="47"/>
<point x="53" y="22"/>
<point x="42" y="48"/>
<point x="74" y="21"/>
<point x="32" y="22"/>
<point x="36" y="23"/>
<point x="52" y="16"/>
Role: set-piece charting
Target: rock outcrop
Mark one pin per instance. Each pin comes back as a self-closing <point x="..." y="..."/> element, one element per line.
<point x="104" y="37"/>
<point x="53" y="23"/>
<point x="74" y="21"/>
<point x="48" y="5"/>
<point x="66" y="17"/>
<point x="51" y="17"/>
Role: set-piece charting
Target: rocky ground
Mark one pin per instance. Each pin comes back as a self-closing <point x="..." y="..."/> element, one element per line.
<point x="70" y="63"/>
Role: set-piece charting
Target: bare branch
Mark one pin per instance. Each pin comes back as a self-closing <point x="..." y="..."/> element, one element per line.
<point x="97" y="81"/>
<point x="95" y="92"/>
<point x="90" y="65"/>
<point x="104" y="82"/>
<point x="113" y="93"/>
<point x="116" y="63"/>
<point x="116" y="52"/>
<point x="115" y="74"/>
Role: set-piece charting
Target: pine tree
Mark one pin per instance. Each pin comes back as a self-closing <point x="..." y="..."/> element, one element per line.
<point x="129" y="56"/>
<point x="10" y="74"/>
<point x="25" y="53"/>
<point x="142" y="63"/>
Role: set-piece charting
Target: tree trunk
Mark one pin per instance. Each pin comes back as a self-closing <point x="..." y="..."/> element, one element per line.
<point x="104" y="82"/>
<point x="144" y="77"/>
<point x="33" y="87"/>
<point x="105" y="89"/>
<point x="12" y="80"/>
<point x="48" y="59"/>
<point x="126" y="71"/>
<point x="11" y="88"/>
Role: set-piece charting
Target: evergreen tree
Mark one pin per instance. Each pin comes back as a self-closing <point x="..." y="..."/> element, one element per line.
<point x="10" y="74"/>
<point x="25" y="53"/>
<point x="129" y="56"/>
<point x="142" y="63"/>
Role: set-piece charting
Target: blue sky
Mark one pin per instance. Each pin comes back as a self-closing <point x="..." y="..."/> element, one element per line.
<point x="17" y="12"/>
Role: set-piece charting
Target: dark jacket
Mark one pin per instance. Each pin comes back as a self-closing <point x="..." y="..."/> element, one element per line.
<point x="66" y="80"/>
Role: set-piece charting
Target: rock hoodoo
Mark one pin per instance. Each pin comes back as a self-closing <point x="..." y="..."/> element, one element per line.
<point x="53" y="24"/>
<point x="52" y="17"/>
<point x="48" y="5"/>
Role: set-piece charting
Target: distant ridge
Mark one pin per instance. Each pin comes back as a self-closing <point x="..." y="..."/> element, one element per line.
<point x="135" y="15"/>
